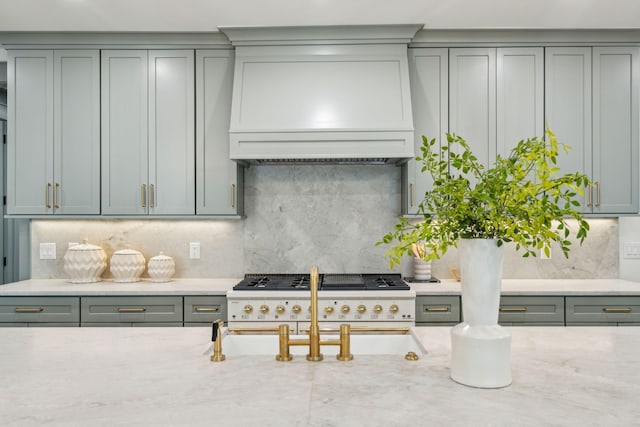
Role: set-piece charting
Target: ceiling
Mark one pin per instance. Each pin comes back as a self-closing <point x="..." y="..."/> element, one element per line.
<point x="208" y="15"/>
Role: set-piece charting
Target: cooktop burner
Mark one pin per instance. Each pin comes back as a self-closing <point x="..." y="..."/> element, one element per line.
<point x="328" y="282"/>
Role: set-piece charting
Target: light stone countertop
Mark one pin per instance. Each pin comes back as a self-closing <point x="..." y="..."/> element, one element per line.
<point x="219" y="286"/>
<point x="60" y="287"/>
<point x="573" y="376"/>
<point x="540" y="287"/>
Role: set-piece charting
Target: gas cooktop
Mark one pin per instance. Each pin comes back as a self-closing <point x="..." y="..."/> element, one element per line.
<point x="327" y="282"/>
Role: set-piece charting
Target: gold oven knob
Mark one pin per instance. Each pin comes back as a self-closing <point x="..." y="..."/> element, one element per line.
<point x="248" y="308"/>
<point x="345" y="309"/>
<point x="296" y="309"/>
<point x="394" y="308"/>
<point x="264" y="309"/>
<point x="328" y="309"/>
<point x="280" y="309"/>
<point x="377" y="309"/>
<point x="361" y="308"/>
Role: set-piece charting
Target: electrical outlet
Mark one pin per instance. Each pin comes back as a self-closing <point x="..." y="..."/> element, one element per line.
<point x="631" y="250"/>
<point x="194" y="250"/>
<point x="47" y="251"/>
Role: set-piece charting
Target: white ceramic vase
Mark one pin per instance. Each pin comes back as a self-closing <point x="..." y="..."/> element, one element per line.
<point x="161" y="268"/>
<point x="84" y="263"/>
<point x="480" y="348"/>
<point x="127" y="265"/>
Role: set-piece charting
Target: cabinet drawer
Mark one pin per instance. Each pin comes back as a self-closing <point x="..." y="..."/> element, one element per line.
<point x="39" y="309"/>
<point x="603" y="309"/>
<point x="437" y="309"/>
<point x="531" y="310"/>
<point x="205" y="308"/>
<point x="127" y="309"/>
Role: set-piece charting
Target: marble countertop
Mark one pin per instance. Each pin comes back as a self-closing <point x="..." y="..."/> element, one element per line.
<point x="60" y="287"/>
<point x="219" y="286"/>
<point x="163" y="377"/>
<point x="540" y="287"/>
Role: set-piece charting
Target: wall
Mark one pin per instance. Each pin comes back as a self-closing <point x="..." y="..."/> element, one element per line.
<point x="296" y="216"/>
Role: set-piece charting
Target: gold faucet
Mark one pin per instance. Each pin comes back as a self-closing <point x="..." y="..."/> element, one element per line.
<point x="216" y="337"/>
<point x="314" y="341"/>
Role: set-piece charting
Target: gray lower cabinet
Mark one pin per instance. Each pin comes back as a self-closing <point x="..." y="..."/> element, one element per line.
<point x="602" y="310"/>
<point x="438" y="310"/>
<point x="531" y="311"/>
<point x="38" y="311"/>
<point x="131" y="310"/>
<point x="203" y="310"/>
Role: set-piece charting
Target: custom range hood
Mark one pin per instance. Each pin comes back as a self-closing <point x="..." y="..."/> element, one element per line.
<point x="321" y="94"/>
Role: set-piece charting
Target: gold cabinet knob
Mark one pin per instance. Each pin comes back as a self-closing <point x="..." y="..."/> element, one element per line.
<point x="248" y="309"/>
<point x="377" y="309"/>
<point x="296" y="309"/>
<point x="394" y="308"/>
<point x="280" y="309"/>
<point x="264" y="309"/>
<point x="361" y="308"/>
<point x="345" y="309"/>
<point x="328" y="309"/>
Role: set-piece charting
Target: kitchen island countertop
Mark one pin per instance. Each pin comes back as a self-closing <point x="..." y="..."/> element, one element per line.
<point x="163" y="377"/>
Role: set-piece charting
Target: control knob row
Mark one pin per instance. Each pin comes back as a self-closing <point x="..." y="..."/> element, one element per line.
<point x="280" y="309"/>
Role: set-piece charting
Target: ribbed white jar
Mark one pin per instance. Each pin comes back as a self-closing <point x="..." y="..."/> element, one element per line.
<point x="84" y="263"/>
<point x="127" y="265"/>
<point x="161" y="268"/>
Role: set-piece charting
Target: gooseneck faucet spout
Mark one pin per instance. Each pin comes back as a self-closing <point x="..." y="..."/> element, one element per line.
<point x="314" y="329"/>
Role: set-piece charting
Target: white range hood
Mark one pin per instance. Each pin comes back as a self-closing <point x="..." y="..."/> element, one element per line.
<point x="321" y="94"/>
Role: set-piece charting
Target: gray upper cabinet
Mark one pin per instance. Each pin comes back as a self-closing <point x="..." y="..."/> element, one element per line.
<point x="219" y="180"/>
<point x="592" y="105"/>
<point x="429" y="75"/>
<point x="54" y="136"/>
<point x="148" y="132"/>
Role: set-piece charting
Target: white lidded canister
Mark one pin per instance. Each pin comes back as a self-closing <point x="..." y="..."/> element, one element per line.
<point x="84" y="263"/>
<point x="161" y="268"/>
<point x="127" y="265"/>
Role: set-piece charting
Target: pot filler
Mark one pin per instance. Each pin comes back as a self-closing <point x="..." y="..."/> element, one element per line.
<point x="377" y="302"/>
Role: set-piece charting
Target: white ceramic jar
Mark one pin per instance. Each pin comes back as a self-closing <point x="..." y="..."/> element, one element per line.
<point x="161" y="268"/>
<point x="84" y="263"/>
<point x="127" y="265"/>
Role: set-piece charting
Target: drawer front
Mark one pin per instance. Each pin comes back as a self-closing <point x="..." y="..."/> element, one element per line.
<point x="39" y="309"/>
<point x="531" y="310"/>
<point x="603" y="309"/>
<point x="437" y="309"/>
<point x="205" y="308"/>
<point x="132" y="309"/>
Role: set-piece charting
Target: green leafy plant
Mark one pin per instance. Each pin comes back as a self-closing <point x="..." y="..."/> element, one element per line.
<point x="520" y="199"/>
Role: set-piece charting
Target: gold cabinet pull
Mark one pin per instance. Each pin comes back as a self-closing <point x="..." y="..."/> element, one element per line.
<point x="436" y="309"/>
<point x="411" y="195"/>
<point x="132" y="309"/>
<point x="597" y="184"/>
<point x="233" y="195"/>
<point x="152" y="196"/>
<point x="616" y="309"/>
<point x="513" y="309"/>
<point x="590" y="202"/>
<point x="46" y="196"/>
<point x="29" y="309"/>
<point x="143" y="195"/>
<point x="207" y="309"/>
<point x="55" y="195"/>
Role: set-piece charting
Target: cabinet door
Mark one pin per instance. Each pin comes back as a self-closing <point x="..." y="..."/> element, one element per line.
<point x="77" y="132"/>
<point x="124" y="132"/>
<point x="429" y="71"/>
<point x="615" y="129"/>
<point x="520" y="96"/>
<point x="171" y="133"/>
<point x="30" y="132"/>
<point x="472" y="99"/>
<point x="217" y="177"/>
<point x="568" y="106"/>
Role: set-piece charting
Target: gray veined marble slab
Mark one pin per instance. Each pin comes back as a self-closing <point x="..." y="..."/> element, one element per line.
<point x="163" y="377"/>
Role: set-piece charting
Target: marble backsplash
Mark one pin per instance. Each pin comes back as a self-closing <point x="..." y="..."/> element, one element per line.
<point x="297" y="216"/>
